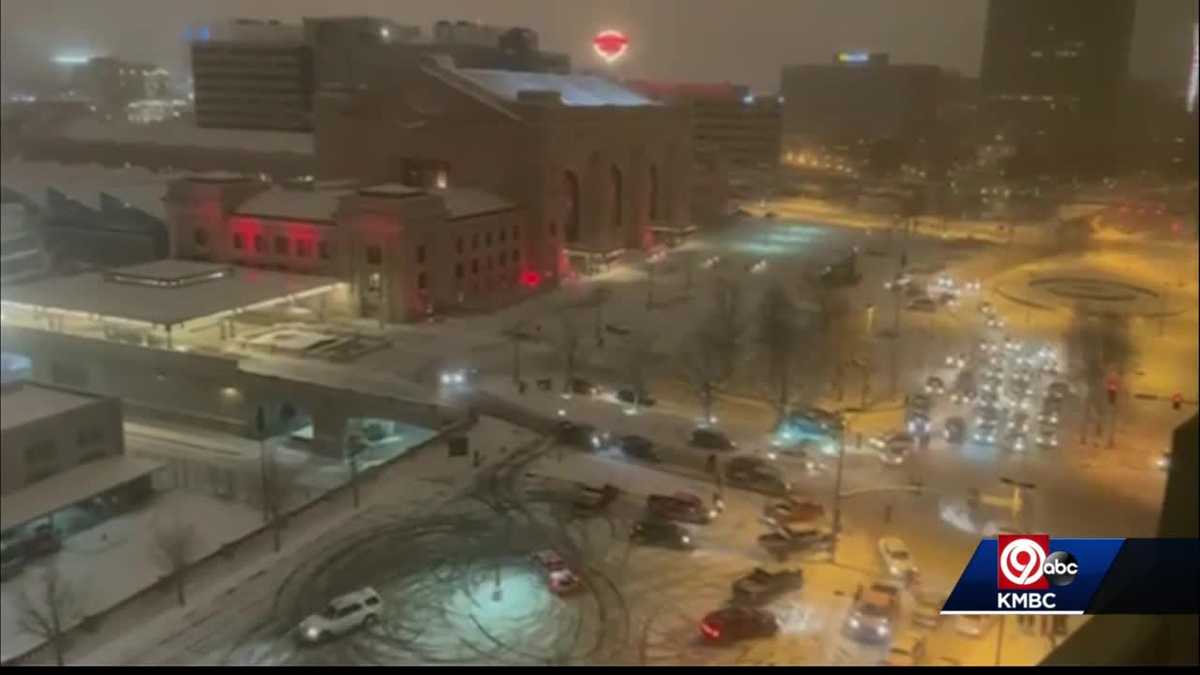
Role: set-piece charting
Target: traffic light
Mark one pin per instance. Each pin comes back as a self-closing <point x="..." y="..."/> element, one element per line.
<point x="1176" y="401"/>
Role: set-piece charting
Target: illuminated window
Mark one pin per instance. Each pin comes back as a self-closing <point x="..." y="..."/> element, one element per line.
<point x="374" y="255"/>
<point x="239" y="242"/>
<point x="201" y="236"/>
<point x="281" y="245"/>
<point x="323" y="250"/>
<point x="260" y="244"/>
<point x="421" y="281"/>
<point x="421" y="253"/>
<point x="374" y="281"/>
<point x="304" y="248"/>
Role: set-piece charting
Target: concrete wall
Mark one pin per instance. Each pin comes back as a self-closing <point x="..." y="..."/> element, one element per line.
<point x="54" y="444"/>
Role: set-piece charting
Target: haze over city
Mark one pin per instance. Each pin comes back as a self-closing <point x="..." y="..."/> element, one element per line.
<point x="669" y="332"/>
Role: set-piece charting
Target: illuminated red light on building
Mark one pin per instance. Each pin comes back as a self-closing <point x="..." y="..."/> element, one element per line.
<point x="610" y="44"/>
<point x="531" y="279"/>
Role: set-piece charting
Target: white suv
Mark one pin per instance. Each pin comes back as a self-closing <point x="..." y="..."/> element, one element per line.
<point x="344" y="614"/>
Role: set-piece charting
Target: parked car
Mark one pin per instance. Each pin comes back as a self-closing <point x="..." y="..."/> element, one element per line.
<point x="927" y="612"/>
<point x="922" y="304"/>
<point x="908" y="649"/>
<point x="956" y="430"/>
<point x="639" y="447"/>
<point x="973" y="625"/>
<point x="760" y="585"/>
<point x="559" y="577"/>
<point x="633" y="397"/>
<point x="919" y="423"/>
<point x="661" y="533"/>
<point x="985" y="432"/>
<point x="920" y="403"/>
<point x="785" y="541"/>
<point x="682" y="506"/>
<point x="583" y="387"/>
<point x="874" y="612"/>
<point x="1047" y="436"/>
<point x="344" y="614"/>
<point x="1014" y="441"/>
<point x="711" y="439"/>
<point x="791" y="511"/>
<point x="897" y="559"/>
<point x="581" y="435"/>
<point x="934" y="386"/>
<point x="738" y="623"/>
<point x="596" y="498"/>
<point x="754" y="473"/>
<point x="1058" y="390"/>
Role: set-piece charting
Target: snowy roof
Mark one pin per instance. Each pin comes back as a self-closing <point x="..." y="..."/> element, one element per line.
<point x="284" y="204"/>
<point x="123" y="294"/>
<point x="29" y="402"/>
<point x="71" y="486"/>
<point x="186" y="134"/>
<point x="140" y="188"/>
<point x="467" y="202"/>
<point x="576" y="90"/>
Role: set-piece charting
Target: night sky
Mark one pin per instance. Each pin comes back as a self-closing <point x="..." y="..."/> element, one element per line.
<point x="744" y="41"/>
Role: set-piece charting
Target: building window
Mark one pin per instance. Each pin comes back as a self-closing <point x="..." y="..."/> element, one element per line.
<point x="489" y="263"/>
<point x="374" y="281"/>
<point x="239" y="242"/>
<point x="421" y="253"/>
<point x="260" y="244"/>
<point x="89" y="436"/>
<point x="458" y="271"/>
<point x="323" y="250"/>
<point x="516" y="256"/>
<point x="304" y="248"/>
<point x="201" y="236"/>
<point x="516" y="232"/>
<point x="474" y="241"/>
<point x="503" y="258"/>
<point x="459" y="246"/>
<point x="475" y="266"/>
<point x="421" y="281"/>
<point x="503" y="235"/>
<point x="487" y="239"/>
<point x="281" y="245"/>
<point x="374" y="255"/>
<point x="40" y="452"/>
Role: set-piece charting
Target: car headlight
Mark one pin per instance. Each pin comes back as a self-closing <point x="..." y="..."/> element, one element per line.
<point x="854" y="622"/>
<point x="772" y="455"/>
<point x="312" y="633"/>
<point x="445" y="378"/>
<point x="712" y="513"/>
<point x="686" y="539"/>
<point x="894" y="570"/>
<point x="882" y="630"/>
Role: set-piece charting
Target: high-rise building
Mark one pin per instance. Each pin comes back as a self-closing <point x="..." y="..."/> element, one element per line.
<point x="1054" y="69"/>
<point x="113" y="83"/>
<point x="858" y="98"/>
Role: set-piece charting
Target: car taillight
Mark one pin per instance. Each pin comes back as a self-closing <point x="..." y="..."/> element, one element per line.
<point x="710" y="631"/>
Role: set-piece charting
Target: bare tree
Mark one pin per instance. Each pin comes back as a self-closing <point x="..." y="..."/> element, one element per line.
<point x="173" y="547"/>
<point x="725" y="325"/>
<point x="704" y="367"/>
<point x="517" y="332"/>
<point x="638" y="358"/>
<point x="570" y="347"/>
<point x="779" y="337"/>
<point x="598" y="298"/>
<point x="277" y="483"/>
<point x="1100" y="346"/>
<point x="47" y="606"/>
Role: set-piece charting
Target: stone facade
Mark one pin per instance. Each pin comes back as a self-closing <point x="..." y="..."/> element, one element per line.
<point x="592" y="177"/>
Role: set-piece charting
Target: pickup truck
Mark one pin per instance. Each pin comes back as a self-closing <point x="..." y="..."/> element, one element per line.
<point x="760" y="585"/>
<point x="786" y="541"/>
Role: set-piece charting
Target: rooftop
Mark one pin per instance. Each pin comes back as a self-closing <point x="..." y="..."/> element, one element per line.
<point x="71" y="486"/>
<point x="284" y="204"/>
<point x="139" y="188"/>
<point x="165" y="292"/>
<point x="28" y="402"/>
<point x="576" y="90"/>
<point x="467" y="202"/>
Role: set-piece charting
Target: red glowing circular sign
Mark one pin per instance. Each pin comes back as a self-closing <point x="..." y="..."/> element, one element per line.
<point x="610" y="44"/>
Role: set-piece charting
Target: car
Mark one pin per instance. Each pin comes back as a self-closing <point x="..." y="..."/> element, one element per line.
<point x="738" y="623"/>
<point x="580" y="435"/>
<point x="908" y="649"/>
<point x="711" y="439"/>
<point x="710" y="262"/>
<point x="973" y="625"/>
<point x="806" y="451"/>
<point x="922" y="305"/>
<point x="919" y="423"/>
<point x="985" y="432"/>
<point x="760" y="585"/>
<point x="927" y="611"/>
<point x="956" y="430"/>
<point x="617" y="329"/>
<point x="894" y="455"/>
<point x="559" y="577"/>
<point x="895" y="439"/>
<point x="947" y="299"/>
<point x="758" y="266"/>
<point x="986" y="308"/>
<point x="791" y="511"/>
<point x="1047" y="436"/>
<point x="1051" y="408"/>
<point x="596" y="498"/>
<point x="1019" y="422"/>
<point x="1014" y="441"/>
<point x="755" y="473"/>
<point x="934" y="386"/>
<point x="1058" y="390"/>
<point x="899" y="281"/>
<point x="653" y="532"/>
<point x="639" y="447"/>
<point x="342" y="615"/>
<point x="770" y="215"/>
<point x="682" y="506"/>
<point x="995" y="322"/>
<point x="635" y="397"/>
<point x="830" y="421"/>
<point x="897" y="559"/>
<point x="583" y="387"/>
<point x="875" y="610"/>
<point x="913" y="291"/>
<point x="959" y="361"/>
<point x="785" y="541"/>
<point x="920" y="402"/>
